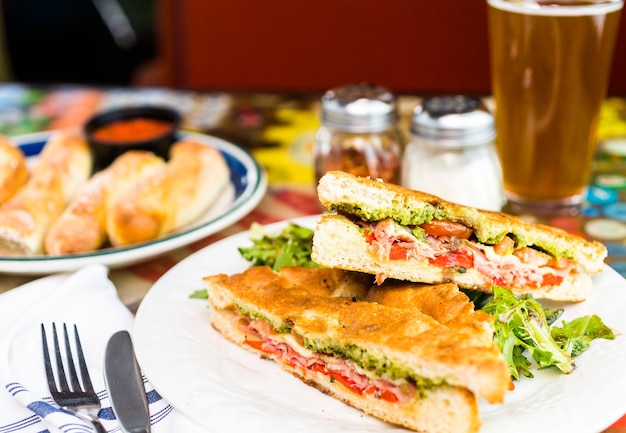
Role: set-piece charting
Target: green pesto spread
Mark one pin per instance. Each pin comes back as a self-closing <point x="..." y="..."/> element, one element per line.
<point x="418" y="215"/>
<point x="383" y="367"/>
<point x="403" y="215"/>
<point x="279" y="326"/>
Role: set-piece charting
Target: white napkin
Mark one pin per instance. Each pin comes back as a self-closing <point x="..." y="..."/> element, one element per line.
<point x="88" y="299"/>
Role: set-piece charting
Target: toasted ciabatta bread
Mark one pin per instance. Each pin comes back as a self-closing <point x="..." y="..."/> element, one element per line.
<point x="82" y="225"/>
<point x="377" y="353"/>
<point x="399" y="233"/>
<point x="170" y="198"/>
<point x="64" y="165"/>
<point x="13" y="169"/>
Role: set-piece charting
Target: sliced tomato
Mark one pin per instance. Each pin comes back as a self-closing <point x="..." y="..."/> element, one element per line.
<point x="447" y="228"/>
<point x="255" y="344"/>
<point x="389" y="396"/>
<point x="498" y="280"/>
<point x="321" y="368"/>
<point x="453" y="258"/>
<point x="559" y="262"/>
<point x="398" y="252"/>
<point x="266" y="348"/>
<point x="531" y="256"/>
<point x="551" y="279"/>
<point x="505" y="246"/>
<point x="385" y="394"/>
<point x="346" y="382"/>
<point x="380" y="278"/>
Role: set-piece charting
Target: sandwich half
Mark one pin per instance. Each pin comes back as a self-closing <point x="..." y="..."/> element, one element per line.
<point x="393" y="232"/>
<point x="413" y="355"/>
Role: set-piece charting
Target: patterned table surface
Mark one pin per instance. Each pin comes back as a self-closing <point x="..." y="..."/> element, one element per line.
<point x="278" y="130"/>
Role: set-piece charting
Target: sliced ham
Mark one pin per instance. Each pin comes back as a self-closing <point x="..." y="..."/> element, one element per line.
<point x="261" y="336"/>
<point x="523" y="267"/>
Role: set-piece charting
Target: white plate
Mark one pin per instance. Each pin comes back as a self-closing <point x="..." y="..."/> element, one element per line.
<point x="225" y="388"/>
<point x="248" y="184"/>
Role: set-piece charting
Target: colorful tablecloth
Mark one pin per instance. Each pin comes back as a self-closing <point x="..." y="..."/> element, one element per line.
<point x="278" y="130"/>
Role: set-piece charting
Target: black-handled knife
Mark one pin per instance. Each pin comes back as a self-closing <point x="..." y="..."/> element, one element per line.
<point x="125" y="385"/>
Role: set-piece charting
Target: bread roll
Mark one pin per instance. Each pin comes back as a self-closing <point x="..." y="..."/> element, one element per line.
<point x="64" y="165"/>
<point x="13" y="169"/>
<point x="170" y="198"/>
<point x="82" y="226"/>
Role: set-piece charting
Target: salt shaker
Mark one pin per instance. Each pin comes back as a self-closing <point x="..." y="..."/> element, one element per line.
<point x="451" y="153"/>
<point x="359" y="133"/>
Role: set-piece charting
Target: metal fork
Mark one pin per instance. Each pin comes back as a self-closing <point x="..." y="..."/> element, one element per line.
<point x="78" y="400"/>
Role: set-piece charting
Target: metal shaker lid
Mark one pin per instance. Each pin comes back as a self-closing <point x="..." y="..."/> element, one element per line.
<point x="359" y="108"/>
<point x="453" y="121"/>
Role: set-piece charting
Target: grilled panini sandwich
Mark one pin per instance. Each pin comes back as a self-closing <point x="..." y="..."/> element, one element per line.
<point x="393" y="232"/>
<point x="414" y="355"/>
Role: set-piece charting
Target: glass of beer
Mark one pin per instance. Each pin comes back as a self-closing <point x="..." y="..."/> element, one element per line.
<point x="550" y="67"/>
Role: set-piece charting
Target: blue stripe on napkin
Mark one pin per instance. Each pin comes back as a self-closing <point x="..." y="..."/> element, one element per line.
<point x="45" y="410"/>
<point x="19" y="425"/>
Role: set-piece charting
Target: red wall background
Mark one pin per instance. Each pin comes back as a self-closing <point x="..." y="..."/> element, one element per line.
<point x="410" y="46"/>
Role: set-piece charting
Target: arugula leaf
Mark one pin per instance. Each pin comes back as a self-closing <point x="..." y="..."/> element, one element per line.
<point x="521" y="327"/>
<point x="575" y="337"/>
<point x="200" y="294"/>
<point x="290" y="247"/>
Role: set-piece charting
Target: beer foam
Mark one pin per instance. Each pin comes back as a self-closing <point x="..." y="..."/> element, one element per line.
<point x="552" y="9"/>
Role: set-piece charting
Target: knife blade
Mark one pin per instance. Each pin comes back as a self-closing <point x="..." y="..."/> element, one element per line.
<point x="125" y="384"/>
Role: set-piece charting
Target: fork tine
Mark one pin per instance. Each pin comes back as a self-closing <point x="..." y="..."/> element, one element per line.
<point x="46" y="359"/>
<point x="83" y="403"/>
<point x="60" y="369"/>
<point x="84" y="372"/>
<point x="73" y="378"/>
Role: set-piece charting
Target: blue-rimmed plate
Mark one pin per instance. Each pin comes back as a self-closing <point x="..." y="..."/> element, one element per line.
<point x="248" y="184"/>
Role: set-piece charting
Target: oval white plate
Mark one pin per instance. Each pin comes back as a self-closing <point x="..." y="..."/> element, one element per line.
<point x="248" y="184"/>
<point x="225" y="388"/>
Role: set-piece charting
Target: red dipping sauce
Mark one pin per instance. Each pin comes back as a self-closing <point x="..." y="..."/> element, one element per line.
<point x="132" y="130"/>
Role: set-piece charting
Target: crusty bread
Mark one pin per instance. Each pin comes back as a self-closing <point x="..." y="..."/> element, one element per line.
<point x="353" y="253"/>
<point x="443" y="302"/>
<point x="64" y="165"/>
<point x="444" y="409"/>
<point x="13" y="169"/>
<point x="452" y="350"/>
<point x="340" y="191"/>
<point x="82" y="225"/>
<point x="171" y="197"/>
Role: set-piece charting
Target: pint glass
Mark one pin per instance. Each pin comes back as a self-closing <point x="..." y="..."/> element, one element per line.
<point x="550" y="66"/>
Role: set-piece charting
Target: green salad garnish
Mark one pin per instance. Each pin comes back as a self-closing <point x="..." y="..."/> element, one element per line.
<point x="289" y="247"/>
<point x="524" y="331"/>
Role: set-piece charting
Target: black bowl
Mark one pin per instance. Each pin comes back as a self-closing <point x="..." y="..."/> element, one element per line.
<point x="106" y="150"/>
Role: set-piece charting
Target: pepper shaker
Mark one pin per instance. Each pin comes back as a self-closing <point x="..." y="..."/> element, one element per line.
<point x="451" y="153"/>
<point x="359" y="133"/>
